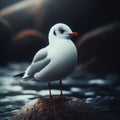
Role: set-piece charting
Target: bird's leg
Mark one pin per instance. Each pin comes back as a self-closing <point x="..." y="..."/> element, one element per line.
<point x="61" y="93"/>
<point x="49" y="86"/>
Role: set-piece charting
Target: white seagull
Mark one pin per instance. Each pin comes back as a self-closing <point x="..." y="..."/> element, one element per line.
<point x="57" y="60"/>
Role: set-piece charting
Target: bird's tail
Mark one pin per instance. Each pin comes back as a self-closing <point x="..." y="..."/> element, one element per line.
<point x="19" y="75"/>
<point x="23" y="76"/>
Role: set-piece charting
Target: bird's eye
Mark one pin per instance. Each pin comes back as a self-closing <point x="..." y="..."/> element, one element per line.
<point x="54" y="32"/>
<point x="61" y="31"/>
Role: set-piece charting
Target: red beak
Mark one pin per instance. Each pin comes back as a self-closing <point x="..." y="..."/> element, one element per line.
<point x="74" y="34"/>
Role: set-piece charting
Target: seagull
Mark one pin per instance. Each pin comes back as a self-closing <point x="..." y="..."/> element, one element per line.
<point x="57" y="60"/>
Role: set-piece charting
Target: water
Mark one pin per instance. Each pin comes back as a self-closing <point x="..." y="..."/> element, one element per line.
<point x="102" y="92"/>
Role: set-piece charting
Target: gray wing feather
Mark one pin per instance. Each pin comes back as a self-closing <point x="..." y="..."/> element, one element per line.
<point x="41" y="54"/>
<point x="37" y="66"/>
<point x="40" y="60"/>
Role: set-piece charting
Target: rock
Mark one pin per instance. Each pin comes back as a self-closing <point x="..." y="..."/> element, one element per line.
<point x="24" y="14"/>
<point x="58" y="108"/>
<point x="99" y="50"/>
<point x="81" y="15"/>
<point x="25" y="44"/>
<point x="92" y="66"/>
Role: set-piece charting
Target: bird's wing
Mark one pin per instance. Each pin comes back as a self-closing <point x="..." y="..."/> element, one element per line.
<point x="40" y="60"/>
<point x="37" y="66"/>
<point x="41" y="54"/>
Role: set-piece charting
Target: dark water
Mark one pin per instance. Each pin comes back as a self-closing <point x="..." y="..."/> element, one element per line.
<point x="102" y="92"/>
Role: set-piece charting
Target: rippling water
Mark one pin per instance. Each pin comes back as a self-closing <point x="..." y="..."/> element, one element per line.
<point x="103" y="92"/>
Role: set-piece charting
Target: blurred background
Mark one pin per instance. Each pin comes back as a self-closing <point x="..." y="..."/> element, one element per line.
<point x="24" y="27"/>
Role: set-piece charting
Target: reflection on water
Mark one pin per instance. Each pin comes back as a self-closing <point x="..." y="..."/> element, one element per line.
<point x="103" y="92"/>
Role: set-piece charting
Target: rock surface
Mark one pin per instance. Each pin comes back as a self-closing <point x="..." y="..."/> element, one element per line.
<point x="58" y="108"/>
<point x="99" y="50"/>
<point x="25" y="44"/>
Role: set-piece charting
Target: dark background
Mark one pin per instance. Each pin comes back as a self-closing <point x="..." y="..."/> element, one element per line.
<point x="82" y="15"/>
<point x="96" y="78"/>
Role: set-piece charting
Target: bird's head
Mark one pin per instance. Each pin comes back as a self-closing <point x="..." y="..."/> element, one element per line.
<point x="61" y="31"/>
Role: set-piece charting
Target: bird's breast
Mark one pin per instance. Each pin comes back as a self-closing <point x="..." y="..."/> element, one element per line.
<point x="63" y="59"/>
<point x="63" y="56"/>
